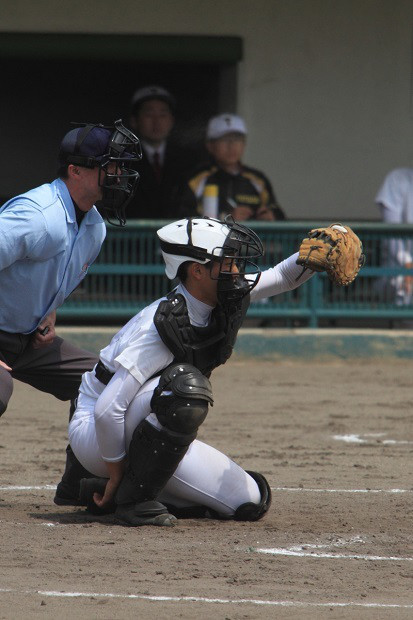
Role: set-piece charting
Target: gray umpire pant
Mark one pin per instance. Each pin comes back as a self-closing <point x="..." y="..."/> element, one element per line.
<point x="56" y="368"/>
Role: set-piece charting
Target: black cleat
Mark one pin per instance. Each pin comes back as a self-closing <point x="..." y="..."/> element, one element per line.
<point x="67" y="491"/>
<point x="144" y="513"/>
<point x="66" y="496"/>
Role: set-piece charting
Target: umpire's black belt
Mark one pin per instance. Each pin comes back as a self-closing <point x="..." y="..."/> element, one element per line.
<point x="102" y="373"/>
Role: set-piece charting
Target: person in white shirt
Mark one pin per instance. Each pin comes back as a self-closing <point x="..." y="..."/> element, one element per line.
<point x="395" y="199"/>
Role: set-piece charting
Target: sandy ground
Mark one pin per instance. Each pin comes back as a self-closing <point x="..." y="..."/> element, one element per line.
<point x="331" y="552"/>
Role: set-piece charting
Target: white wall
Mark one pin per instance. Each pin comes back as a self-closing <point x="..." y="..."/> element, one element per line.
<point x="325" y="86"/>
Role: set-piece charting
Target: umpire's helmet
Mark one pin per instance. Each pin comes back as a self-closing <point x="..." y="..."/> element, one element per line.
<point x="95" y="145"/>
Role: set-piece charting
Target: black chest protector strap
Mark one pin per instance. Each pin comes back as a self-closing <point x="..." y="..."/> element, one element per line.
<point x="203" y="347"/>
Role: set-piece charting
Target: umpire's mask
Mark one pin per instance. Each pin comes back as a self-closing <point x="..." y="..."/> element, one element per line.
<point x="112" y="149"/>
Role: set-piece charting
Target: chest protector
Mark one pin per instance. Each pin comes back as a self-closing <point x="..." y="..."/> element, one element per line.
<point x="203" y="347"/>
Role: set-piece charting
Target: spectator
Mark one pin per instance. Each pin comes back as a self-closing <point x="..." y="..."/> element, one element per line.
<point x="395" y="199"/>
<point x="227" y="185"/>
<point x="164" y="166"/>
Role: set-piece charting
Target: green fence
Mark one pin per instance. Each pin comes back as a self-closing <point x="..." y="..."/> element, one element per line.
<point x="129" y="274"/>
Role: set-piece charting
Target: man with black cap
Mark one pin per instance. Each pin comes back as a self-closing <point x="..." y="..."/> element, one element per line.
<point x="164" y="165"/>
<point x="49" y="237"/>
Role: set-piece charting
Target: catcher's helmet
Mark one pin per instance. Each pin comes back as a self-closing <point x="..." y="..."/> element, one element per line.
<point x="205" y="239"/>
<point x="94" y="145"/>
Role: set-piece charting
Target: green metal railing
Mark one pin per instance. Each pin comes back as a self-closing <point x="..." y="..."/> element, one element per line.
<point x="129" y="274"/>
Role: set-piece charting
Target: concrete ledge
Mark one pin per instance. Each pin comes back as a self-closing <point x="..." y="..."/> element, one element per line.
<point x="279" y="344"/>
<point x="325" y="343"/>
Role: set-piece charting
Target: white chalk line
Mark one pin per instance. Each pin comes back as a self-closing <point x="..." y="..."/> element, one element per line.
<point x="395" y="441"/>
<point x="340" y="542"/>
<point x="20" y="524"/>
<point x="51" y="487"/>
<point x="309" y="490"/>
<point x="199" y="599"/>
<point x="358" y="438"/>
<point x="329" y="556"/>
<point x="45" y="487"/>
<point x="308" y="550"/>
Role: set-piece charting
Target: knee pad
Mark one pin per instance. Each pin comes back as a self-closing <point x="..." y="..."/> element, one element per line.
<point x="250" y="511"/>
<point x="181" y="399"/>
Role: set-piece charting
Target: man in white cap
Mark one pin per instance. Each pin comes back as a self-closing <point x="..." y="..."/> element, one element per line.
<point x="244" y="192"/>
<point x="164" y="165"/>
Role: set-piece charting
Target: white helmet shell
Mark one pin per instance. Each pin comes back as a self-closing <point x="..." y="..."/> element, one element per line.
<point x="193" y="239"/>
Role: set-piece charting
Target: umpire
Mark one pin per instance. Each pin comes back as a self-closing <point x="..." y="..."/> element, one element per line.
<point x="49" y="237"/>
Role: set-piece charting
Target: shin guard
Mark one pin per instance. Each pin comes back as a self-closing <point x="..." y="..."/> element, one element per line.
<point x="153" y="457"/>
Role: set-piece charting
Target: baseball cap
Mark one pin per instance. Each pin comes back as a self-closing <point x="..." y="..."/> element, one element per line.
<point x="84" y="146"/>
<point x="220" y="125"/>
<point x="152" y="92"/>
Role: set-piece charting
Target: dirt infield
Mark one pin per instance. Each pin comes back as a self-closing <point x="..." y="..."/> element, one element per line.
<point x="337" y="542"/>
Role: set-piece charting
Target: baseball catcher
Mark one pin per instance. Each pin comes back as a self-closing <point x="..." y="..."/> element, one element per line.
<point x="335" y="249"/>
<point x="139" y="410"/>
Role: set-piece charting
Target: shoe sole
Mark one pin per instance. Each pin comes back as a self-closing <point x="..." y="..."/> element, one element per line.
<point x="159" y="520"/>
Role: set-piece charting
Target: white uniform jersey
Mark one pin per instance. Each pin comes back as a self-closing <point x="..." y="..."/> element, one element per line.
<point x="106" y="416"/>
<point x="395" y="199"/>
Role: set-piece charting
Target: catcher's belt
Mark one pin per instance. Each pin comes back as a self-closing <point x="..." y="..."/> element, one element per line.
<point x="102" y="373"/>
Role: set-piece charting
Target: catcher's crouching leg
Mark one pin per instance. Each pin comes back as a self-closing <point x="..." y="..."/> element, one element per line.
<point x="180" y="403"/>
<point x="254" y="512"/>
<point x="246" y="512"/>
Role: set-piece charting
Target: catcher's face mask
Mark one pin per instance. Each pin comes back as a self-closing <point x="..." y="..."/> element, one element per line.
<point x="231" y="245"/>
<point x="238" y="274"/>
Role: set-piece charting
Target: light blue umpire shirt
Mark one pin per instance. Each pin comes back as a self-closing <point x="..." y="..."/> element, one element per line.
<point x="43" y="254"/>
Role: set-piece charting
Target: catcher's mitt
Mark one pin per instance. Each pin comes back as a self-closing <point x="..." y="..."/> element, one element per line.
<point x="335" y="249"/>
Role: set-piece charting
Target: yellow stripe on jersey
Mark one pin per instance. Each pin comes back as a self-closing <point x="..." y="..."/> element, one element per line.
<point x="247" y="199"/>
<point x="259" y="185"/>
<point x="200" y="179"/>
